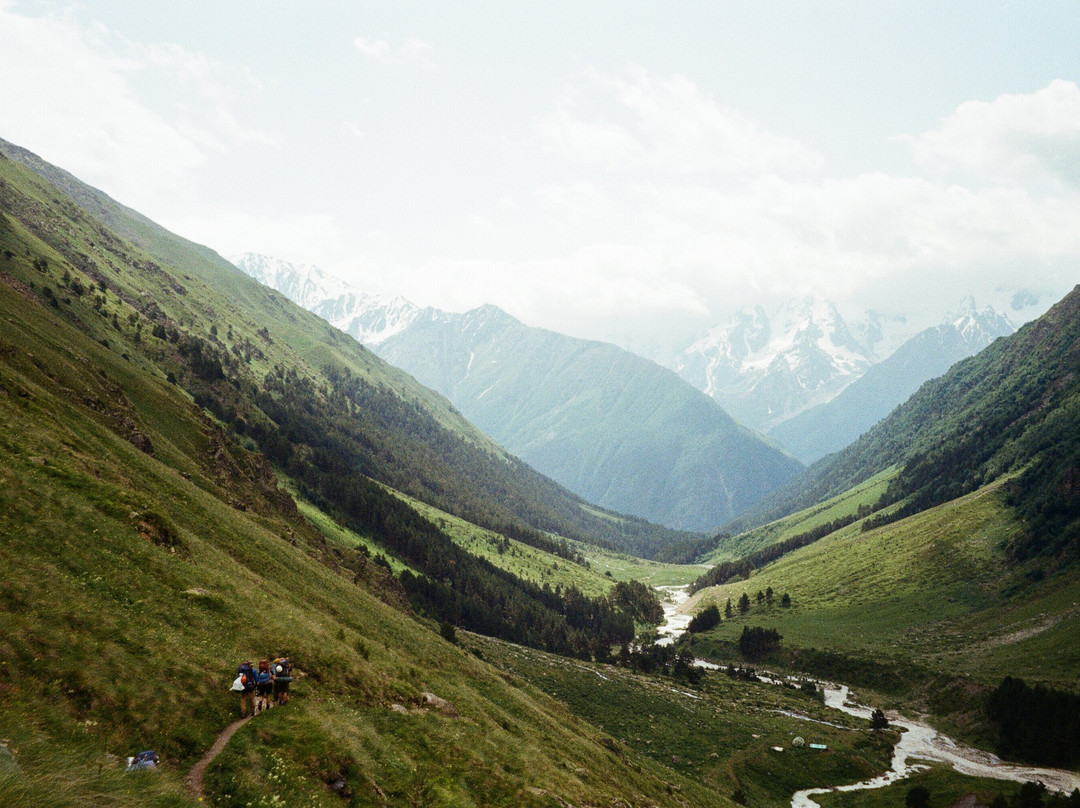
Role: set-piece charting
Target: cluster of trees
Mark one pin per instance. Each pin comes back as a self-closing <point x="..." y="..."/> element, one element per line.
<point x="709" y="617"/>
<point x="1036" y="723"/>
<point x="639" y="601"/>
<point x="729" y="570"/>
<point x="665" y="660"/>
<point x="742" y="674"/>
<point x="758" y="642"/>
<point x="767" y="598"/>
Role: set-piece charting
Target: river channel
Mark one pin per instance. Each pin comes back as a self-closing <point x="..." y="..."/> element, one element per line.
<point x="919" y="740"/>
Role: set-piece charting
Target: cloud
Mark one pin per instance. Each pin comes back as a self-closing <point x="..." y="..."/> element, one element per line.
<point x="381" y="50"/>
<point x="140" y="122"/>
<point x="283" y="235"/>
<point x="665" y="125"/>
<point x="651" y="242"/>
<point x="1014" y="138"/>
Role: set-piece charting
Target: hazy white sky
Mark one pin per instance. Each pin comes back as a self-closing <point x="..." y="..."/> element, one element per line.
<point x="619" y="170"/>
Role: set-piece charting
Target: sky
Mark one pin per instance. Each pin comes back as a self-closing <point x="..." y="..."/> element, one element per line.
<point x="626" y="171"/>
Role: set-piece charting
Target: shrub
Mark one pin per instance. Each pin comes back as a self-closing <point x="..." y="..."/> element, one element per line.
<point x="704" y="620"/>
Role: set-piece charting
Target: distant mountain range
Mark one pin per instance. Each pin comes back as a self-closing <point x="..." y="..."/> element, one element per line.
<point x="614" y="428"/>
<point x="766" y="369"/>
<point x="810" y="380"/>
<point x="831" y="426"/>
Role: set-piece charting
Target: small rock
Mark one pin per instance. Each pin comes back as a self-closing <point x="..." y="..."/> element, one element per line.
<point x="442" y="705"/>
<point x="397" y="708"/>
<point x="39" y="460"/>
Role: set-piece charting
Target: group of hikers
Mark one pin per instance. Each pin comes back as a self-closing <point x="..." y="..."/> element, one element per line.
<point x="260" y="687"/>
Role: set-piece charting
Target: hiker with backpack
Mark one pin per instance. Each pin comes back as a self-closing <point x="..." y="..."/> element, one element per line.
<point x="245" y="686"/>
<point x="282" y="670"/>
<point x="264" y="686"/>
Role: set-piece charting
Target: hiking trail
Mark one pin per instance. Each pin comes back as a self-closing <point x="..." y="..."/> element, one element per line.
<point x="194" y="778"/>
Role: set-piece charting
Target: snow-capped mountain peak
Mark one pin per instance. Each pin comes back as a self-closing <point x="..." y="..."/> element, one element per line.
<point x="367" y="317"/>
<point x="979" y="327"/>
<point x="764" y="368"/>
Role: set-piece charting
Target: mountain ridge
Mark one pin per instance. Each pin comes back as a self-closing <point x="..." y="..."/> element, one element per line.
<point x="615" y="428"/>
<point x="831" y="426"/>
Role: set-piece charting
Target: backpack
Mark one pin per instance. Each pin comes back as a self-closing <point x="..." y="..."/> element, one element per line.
<point x="282" y="668"/>
<point x="144" y="760"/>
<point x="245" y="670"/>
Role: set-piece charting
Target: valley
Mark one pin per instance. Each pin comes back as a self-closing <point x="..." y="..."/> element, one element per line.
<point x="197" y="471"/>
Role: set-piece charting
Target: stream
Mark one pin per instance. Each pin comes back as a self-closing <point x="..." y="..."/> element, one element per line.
<point x="919" y="740"/>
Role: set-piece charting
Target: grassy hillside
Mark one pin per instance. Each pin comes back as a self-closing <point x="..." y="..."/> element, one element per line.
<point x="843" y="506"/>
<point x="719" y="735"/>
<point x="524" y="561"/>
<point x="930" y="608"/>
<point x="144" y="554"/>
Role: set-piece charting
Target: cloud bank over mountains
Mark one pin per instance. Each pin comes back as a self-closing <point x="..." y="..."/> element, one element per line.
<point x="623" y="201"/>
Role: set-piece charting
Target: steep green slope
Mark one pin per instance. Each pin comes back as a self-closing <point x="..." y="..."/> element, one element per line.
<point x="617" y="429"/>
<point x="526" y="562"/>
<point x="845" y="507"/>
<point x="1011" y="408"/>
<point x="930" y="607"/>
<point x="339" y="429"/>
<point x="208" y="314"/>
<point x="143" y="554"/>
